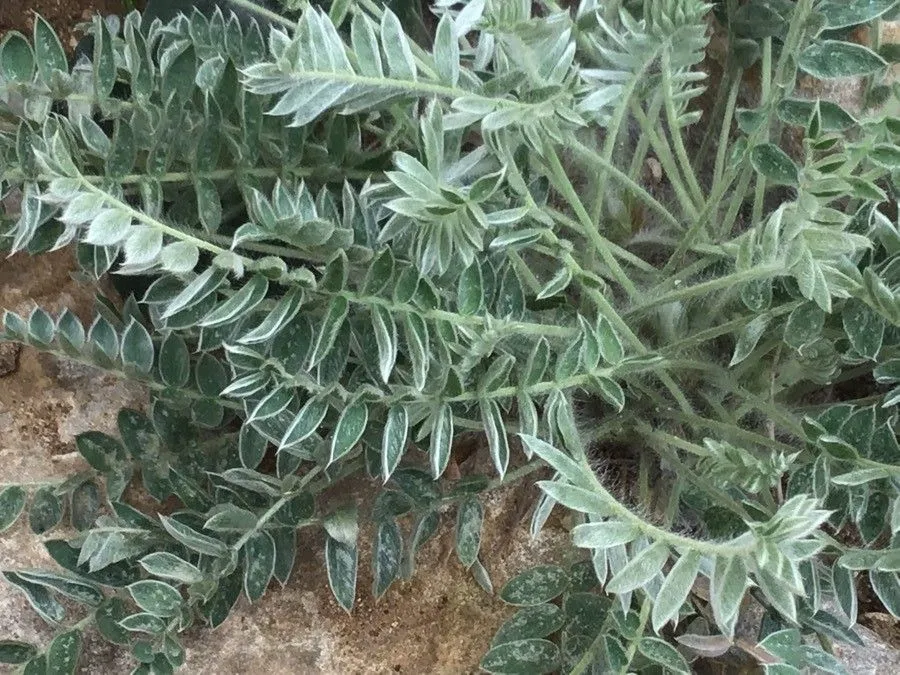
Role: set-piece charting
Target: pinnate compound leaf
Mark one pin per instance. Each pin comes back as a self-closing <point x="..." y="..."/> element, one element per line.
<point x="535" y="586"/>
<point x="534" y="656"/>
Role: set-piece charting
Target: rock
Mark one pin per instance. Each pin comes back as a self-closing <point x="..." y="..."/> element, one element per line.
<point x="9" y="358"/>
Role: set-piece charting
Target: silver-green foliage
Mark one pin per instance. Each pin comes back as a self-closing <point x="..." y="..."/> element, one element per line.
<point x="353" y="245"/>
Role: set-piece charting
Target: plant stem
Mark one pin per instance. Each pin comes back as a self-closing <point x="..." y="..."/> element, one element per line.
<point x="765" y="96"/>
<point x="602" y="164"/>
<point x="728" y="281"/>
<point x="588" y="227"/>
<point x="264" y="12"/>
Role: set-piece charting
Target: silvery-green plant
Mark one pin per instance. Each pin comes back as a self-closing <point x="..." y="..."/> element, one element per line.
<point x="354" y="247"/>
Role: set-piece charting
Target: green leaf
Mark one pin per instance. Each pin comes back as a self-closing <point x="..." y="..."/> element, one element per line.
<point x="259" y="564"/>
<point x="348" y="430"/>
<point x="14" y="652"/>
<point x="12" y="502"/>
<point x="535" y="586"/>
<point x="393" y="442"/>
<point x="830" y="59"/>
<point x="611" y="392"/>
<point x="498" y="443"/>
<point x="415" y="330"/>
<point x="40" y="599"/>
<point x="727" y="590"/>
<point x="557" y="284"/>
<point x="804" y="325"/>
<point x="48" y="50"/>
<point x="441" y="441"/>
<point x="305" y="423"/>
<point x="16" y="58"/>
<point x="470" y="290"/>
<point x="143" y="623"/>
<point x="603" y="535"/>
<point x="887" y="587"/>
<point x="675" y="589"/>
<point x="610" y="345"/>
<point x="169" y="566"/>
<point x="661" y="652"/>
<point x="773" y="163"/>
<point x="156" y="597"/>
<point x="103" y="452"/>
<point x="122" y="152"/>
<point x="137" y="348"/>
<point x="77" y="590"/>
<point x="533" y="656"/>
<point x="238" y="305"/>
<point x="386" y="337"/>
<point x="107" y="618"/>
<point x="104" y="62"/>
<point x="45" y="512"/>
<point x="864" y="327"/>
<point x="341" y="564"/>
<point x="285" y="552"/>
<point x="845" y="13"/>
<point x="388" y="553"/>
<point x="331" y="325"/>
<point x="640" y="569"/>
<point x="537" y="621"/>
<point x="63" y="653"/>
<point x="342" y="525"/>
<point x="577" y="498"/>
<point x="469" y="520"/>
<point x="398" y="54"/>
<point x="748" y="339"/>
<point x="174" y="361"/>
<point x="193" y="539"/>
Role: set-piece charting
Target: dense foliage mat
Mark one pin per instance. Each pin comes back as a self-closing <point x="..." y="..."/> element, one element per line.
<point x="350" y="247"/>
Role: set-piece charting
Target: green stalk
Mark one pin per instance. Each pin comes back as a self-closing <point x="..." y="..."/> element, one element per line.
<point x="766" y="94"/>
<point x="663" y="152"/>
<point x="722" y="283"/>
<point x="675" y="132"/>
<point x="588" y="226"/>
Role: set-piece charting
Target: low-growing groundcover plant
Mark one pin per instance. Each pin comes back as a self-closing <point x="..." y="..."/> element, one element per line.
<point x="359" y="247"/>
